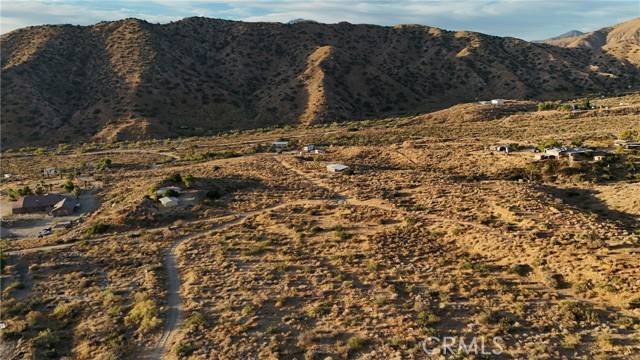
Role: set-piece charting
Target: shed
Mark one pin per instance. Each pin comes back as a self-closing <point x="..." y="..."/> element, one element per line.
<point x="309" y="148"/>
<point x="497" y="102"/>
<point x="500" y="147"/>
<point x="65" y="207"/>
<point x="280" y="144"/>
<point x="169" y="201"/>
<point x="337" y="168"/>
<point x="50" y="171"/>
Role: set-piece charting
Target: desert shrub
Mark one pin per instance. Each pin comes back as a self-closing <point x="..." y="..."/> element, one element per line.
<point x="97" y="228"/>
<point x="194" y="320"/>
<point x="103" y="164"/>
<point x="174" y="178"/>
<point x="571" y="341"/>
<point x="214" y="194"/>
<point x="44" y="345"/>
<point x="14" y="194"/>
<point x="183" y="350"/>
<point x="630" y="134"/>
<point x="63" y="311"/>
<point x="356" y="343"/>
<point x="547" y="105"/>
<point x="143" y="314"/>
<point x="427" y="319"/>
<point x="169" y="192"/>
<point x="68" y="185"/>
<point x="112" y="303"/>
<point x="521" y="269"/>
<point x="574" y="311"/>
<point x="549" y="143"/>
<point x="187" y="180"/>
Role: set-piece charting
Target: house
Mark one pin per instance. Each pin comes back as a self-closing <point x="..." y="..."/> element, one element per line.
<point x="309" y="148"/>
<point x="65" y="207"/>
<point x="574" y="154"/>
<point x="36" y="203"/>
<point x="337" y="168"/>
<point x="497" y="102"/>
<point x="500" y="148"/>
<point x="627" y="144"/>
<point x="599" y="157"/>
<point x="50" y="172"/>
<point x="280" y="145"/>
<point x="169" y="201"/>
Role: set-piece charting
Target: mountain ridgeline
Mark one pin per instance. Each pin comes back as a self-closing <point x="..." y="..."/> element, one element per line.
<point x="130" y="79"/>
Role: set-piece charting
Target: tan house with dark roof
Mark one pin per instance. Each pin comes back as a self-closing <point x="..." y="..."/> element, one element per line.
<point x="36" y="203"/>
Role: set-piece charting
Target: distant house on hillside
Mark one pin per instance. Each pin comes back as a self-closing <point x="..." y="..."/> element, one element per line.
<point x="627" y="144"/>
<point x="36" y="203"/>
<point x="497" y="102"/>
<point x="309" y="148"/>
<point x="574" y="154"/>
<point x="279" y="146"/>
<point x="501" y="148"/>
<point x="337" y="168"/>
<point x="50" y="172"/>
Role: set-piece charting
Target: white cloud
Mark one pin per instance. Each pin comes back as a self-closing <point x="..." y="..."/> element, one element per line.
<point x="522" y="18"/>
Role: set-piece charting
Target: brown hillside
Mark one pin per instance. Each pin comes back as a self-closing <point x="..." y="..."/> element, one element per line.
<point x="130" y="79"/>
<point x="621" y="41"/>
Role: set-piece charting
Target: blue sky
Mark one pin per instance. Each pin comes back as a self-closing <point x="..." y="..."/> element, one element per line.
<point x="526" y="19"/>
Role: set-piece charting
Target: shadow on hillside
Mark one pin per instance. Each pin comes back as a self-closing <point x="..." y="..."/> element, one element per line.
<point x="587" y="201"/>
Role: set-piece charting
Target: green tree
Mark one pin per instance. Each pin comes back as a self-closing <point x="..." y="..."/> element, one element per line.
<point x="68" y="185"/>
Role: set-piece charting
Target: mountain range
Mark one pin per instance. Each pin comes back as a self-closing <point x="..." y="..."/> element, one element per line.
<point x="130" y="79"/>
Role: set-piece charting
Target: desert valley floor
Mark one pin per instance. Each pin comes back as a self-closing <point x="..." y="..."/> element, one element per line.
<point x="269" y="255"/>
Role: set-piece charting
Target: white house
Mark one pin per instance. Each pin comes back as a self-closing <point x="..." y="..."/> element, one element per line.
<point x="497" y="102"/>
<point x="337" y="168"/>
<point x="309" y="148"/>
<point x="169" y="201"/>
<point x="50" y="171"/>
<point x="280" y="145"/>
<point x="573" y="153"/>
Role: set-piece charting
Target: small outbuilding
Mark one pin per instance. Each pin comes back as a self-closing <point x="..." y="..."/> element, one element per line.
<point x="169" y="201"/>
<point x="497" y="102"/>
<point x="280" y="145"/>
<point x="309" y="148"/>
<point x="501" y="148"/>
<point x="337" y="168"/>
<point x="65" y="207"/>
<point x="50" y="172"/>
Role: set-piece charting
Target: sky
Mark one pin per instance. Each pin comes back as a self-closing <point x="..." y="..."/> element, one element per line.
<point x="525" y="19"/>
